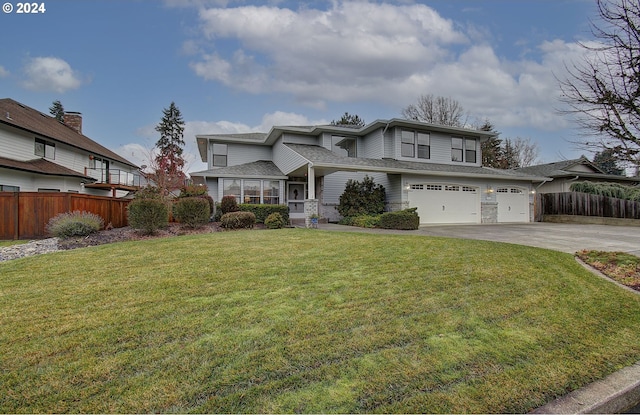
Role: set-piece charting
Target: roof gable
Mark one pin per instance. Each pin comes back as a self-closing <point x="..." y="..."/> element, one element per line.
<point x="25" y="118"/>
<point x="563" y="168"/>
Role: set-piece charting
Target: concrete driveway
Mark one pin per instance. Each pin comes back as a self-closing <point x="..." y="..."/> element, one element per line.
<point x="560" y="237"/>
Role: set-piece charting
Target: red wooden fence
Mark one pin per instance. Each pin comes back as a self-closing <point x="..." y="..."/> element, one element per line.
<point x="25" y="214"/>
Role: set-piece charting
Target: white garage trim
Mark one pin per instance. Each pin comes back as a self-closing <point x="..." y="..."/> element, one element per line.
<point x="513" y="204"/>
<point x="445" y="203"/>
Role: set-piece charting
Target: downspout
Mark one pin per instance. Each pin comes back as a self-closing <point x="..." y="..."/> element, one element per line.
<point x="383" y="133"/>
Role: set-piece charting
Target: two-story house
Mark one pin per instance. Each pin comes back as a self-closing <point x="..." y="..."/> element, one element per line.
<point x="432" y="167"/>
<point x="40" y="154"/>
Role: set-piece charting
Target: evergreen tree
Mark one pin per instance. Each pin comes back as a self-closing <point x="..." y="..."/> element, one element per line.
<point x="57" y="110"/>
<point x="349" y="120"/>
<point x="169" y="162"/>
<point x="606" y="160"/>
<point x="492" y="154"/>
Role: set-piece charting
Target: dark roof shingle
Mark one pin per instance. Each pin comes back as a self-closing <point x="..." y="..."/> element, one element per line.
<point x="25" y="118"/>
<point x="41" y="166"/>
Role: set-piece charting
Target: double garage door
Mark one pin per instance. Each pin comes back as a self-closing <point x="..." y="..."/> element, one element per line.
<point x="444" y="203"/>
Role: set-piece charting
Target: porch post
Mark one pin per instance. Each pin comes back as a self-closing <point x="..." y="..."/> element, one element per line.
<point x="311" y="181"/>
<point x="311" y="203"/>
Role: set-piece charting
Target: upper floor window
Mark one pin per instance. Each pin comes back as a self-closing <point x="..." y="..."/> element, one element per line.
<point x="344" y="146"/>
<point x="408" y="144"/>
<point x="424" y="145"/>
<point x="45" y="149"/>
<point x="463" y="149"/>
<point x="219" y="155"/>
<point x="415" y="144"/>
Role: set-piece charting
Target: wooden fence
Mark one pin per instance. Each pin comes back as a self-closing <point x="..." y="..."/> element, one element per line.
<point x="26" y="214"/>
<point x="584" y="204"/>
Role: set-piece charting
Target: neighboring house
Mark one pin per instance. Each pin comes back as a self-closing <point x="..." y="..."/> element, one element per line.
<point x="432" y="167"/>
<point x="38" y="153"/>
<point x="565" y="173"/>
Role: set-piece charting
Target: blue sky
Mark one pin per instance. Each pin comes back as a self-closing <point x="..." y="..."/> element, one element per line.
<point x="243" y="66"/>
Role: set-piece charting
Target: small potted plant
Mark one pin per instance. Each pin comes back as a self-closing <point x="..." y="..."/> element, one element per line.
<point x="314" y="220"/>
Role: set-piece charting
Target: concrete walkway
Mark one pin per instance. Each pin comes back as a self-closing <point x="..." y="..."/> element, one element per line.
<point x="617" y="393"/>
<point x="568" y="238"/>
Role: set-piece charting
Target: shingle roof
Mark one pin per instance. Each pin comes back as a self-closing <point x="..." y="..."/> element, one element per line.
<point x="25" y="118"/>
<point x="558" y="168"/>
<point x="321" y="156"/>
<point x="41" y="166"/>
<point x="258" y="169"/>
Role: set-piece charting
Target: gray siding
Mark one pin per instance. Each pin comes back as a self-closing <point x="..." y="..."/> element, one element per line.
<point x="394" y="193"/>
<point x="335" y="183"/>
<point x="371" y="146"/>
<point x="246" y="153"/>
<point x="286" y="159"/>
<point x="300" y="139"/>
<point x="390" y="144"/>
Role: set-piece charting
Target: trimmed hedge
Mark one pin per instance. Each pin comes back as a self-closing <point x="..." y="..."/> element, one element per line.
<point x="361" y="221"/>
<point x="148" y="215"/>
<point x="192" y="211"/>
<point x="262" y="212"/>
<point x="238" y="220"/>
<point x="407" y="219"/>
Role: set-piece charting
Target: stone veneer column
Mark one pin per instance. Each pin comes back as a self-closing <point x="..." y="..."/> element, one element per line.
<point x="489" y="212"/>
<point x="310" y="208"/>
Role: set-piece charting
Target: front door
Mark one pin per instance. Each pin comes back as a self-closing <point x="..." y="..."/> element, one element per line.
<point x="295" y="199"/>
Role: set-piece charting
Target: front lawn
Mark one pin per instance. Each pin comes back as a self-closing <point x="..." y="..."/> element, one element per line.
<point x="298" y="320"/>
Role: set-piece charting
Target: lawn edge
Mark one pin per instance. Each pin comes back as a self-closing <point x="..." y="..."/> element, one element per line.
<point x="603" y="276"/>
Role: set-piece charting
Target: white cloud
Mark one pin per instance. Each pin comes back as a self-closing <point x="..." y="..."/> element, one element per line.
<point x="3" y="72"/>
<point x="390" y="57"/>
<point x="50" y="74"/>
<point x="314" y="53"/>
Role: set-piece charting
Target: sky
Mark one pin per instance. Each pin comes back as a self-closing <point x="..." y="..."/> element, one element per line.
<point x="244" y="66"/>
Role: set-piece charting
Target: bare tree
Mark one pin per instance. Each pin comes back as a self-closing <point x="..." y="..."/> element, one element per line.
<point x="603" y="90"/>
<point x="526" y="152"/>
<point x="436" y="110"/>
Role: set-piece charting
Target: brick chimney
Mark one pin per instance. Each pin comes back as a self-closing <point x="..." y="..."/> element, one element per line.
<point x="73" y="120"/>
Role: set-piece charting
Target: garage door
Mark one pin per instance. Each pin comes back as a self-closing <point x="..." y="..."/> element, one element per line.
<point x="441" y="203"/>
<point x="513" y="204"/>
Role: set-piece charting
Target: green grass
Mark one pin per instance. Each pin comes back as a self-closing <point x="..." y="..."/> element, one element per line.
<point x="4" y="244"/>
<point x="298" y="320"/>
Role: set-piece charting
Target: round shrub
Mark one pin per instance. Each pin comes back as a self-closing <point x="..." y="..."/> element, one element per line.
<point x="407" y="219"/>
<point x="229" y="204"/>
<point x="196" y="190"/>
<point x="238" y="220"/>
<point x="76" y="223"/>
<point x="274" y="221"/>
<point x="191" y="211"/>
<point x="148" y="215"/>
